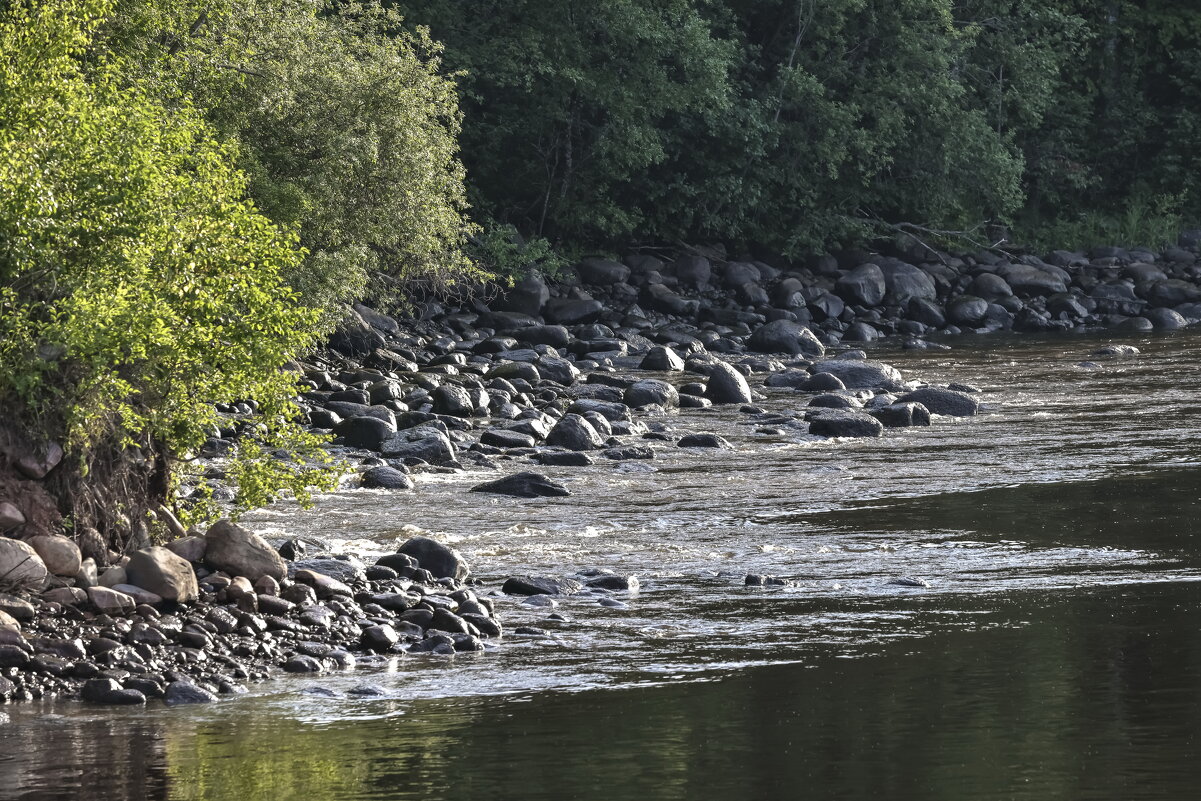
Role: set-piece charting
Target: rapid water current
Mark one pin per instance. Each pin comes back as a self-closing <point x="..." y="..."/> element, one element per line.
<point x="1054" y="651"/>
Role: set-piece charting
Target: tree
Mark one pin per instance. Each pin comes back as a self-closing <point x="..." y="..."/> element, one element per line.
<point x="137" y="286"/>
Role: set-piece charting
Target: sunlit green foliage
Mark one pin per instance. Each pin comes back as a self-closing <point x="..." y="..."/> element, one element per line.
<point x="137" y="286"/>
<point x="346" y="127"/>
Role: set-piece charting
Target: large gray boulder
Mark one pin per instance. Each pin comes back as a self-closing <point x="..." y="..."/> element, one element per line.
<point x="940" y="400"/>
<point x="20" y="566"/>
<point x="240" y="552"/>
<point x="864" y="286"/>
<point x="524" y="485"/>
<point x="651" y="391"/>
<point x="60" y="555"/>
<point x="860" y="374"/>
<point x="163" y="573"/>
<point x="574" y="433"/>
<point x="602" y="272"/>
<point x="785" y="336"/>
<point x="421" y="442"/>
<point x="844" y="423"/>
<point x="905" y="282"/>
<point x="440" y="560"/>
<point x="527" y="296"/>
<point x="727" y="385"/>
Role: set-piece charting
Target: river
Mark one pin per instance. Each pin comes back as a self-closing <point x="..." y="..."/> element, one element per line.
<point x="1054" y="653"/>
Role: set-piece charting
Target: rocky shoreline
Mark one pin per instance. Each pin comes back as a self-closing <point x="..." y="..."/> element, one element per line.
<point x="586" y="369"/>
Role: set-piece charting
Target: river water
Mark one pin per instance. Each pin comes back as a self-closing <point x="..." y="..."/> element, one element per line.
<point x="1055" y="652"/>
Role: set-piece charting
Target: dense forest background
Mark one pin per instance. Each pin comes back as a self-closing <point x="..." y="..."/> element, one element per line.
<point x="192" y="190"/>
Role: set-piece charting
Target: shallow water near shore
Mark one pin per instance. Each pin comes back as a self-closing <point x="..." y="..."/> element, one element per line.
<point x="1055" y="652"/>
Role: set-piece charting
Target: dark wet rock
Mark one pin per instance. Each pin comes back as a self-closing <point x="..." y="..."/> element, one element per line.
<point x="629" y="452"/>
<point x="907" y="581"/>
<point x="502" y="438"/>
<point x="527" y="296"/>
<point x="727" y="385"/>
<point x="1116" y="350"/>
<point x="862" y="286"/>
<point x="831" y="400"/>
<point x="990" y="287"/>
<point x="967" y="310"/>
<point x="1172" y="292"/>
<point x="789" y="379"/>
<point x="349" y="569"/>
<point x="1138" y="325"/>
<point x="651" y="392"/>
<point x="602" y="272"/>
<point x="240" y="552"/>
<point x="1166" y="319"/>
<point x="292" y="548"/>
<point x="302" y="663"/>
<point x="17" y="608"/>
<point x="943" y="401"/>
<point x="441" y="560"/>
<point x="662" y="359"/>
<point x="844" y="423"/>
<point x="386" y="477"/>
<point x="902" y="415"/>
<point x="364" y="432"/>
<point x="568" y="311"/>
<point x="860" y="331"/>
<point x="539" y="585"/>
<point x="574" y="433"/>
<point x="703" y="441"/>
<point x="1027" y="281"/>
<point x="452" y="400"/>
<point x="614" y="582"/>
<point x="524" y="485"/>
<point x="784" y="336"/>
<point x="182" y="692"/>
<point x="760" y="580"/>
<point x="856" y="374"/>
<point x="422" y="442"/>
<point x="905" y="282"/>
<point x="563" y="459"/>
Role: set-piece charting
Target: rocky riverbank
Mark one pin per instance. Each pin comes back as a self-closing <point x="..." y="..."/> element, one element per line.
<point x="613" y="362"/>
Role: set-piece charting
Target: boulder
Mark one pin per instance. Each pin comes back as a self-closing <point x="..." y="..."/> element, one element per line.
<point x="940" y="400"/>
<point x="501" y="438"/>
<point x="364" y="431"/>
<point x="693" y="272"/>
<point x="527" y="297"/>
<point x="422" y="442"/>
<point x="574" y="433"/>
<point x="902" y="415"/>
<point x="785" y="336"/>
<point x="905" y="282"/>
<point x="440" y="560"/>
<point x="453" y="401"/>
<point x="990" y="287"/>
<point x="20" y="566"/>
<point x="111" y="601"/>
<point x="602" y="272"/>
<point x="663" y="359"/>
<point x="524" y="485"/>
<point x="240" y="552"/>
<point x="190" y="548"/>
<point x="703" y="441"/>
<point x="539" y="585"/>
<point x="863" y="286"/>
<point x="727" y="385"/>
<point x="163" y="573"/>
<point x="651" y="392"/>
<point x="569" y="311"/>
<point x="60" y="555"/>
<point x="11" y="517"/>
<point x="845" y="423"/>
<point x="39" y="461"/>
<point x="860" y="374"/>
<point x="1026" y="280"/>
<point x="385" y="477"/>
<point x="184" y="692"/>
<point x="967" y="310"/>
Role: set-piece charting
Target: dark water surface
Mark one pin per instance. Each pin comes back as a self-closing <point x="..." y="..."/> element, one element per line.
<point x="1056" y="652"/>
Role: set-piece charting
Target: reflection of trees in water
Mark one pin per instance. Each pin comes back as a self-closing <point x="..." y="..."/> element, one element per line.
<point x="49" y="757"/>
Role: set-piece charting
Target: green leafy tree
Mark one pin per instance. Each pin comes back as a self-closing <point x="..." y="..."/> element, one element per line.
<point x="345" y="125"/>
<point x="137" y="286"/>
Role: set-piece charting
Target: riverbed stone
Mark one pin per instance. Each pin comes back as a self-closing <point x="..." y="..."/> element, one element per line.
<point x="855" y="374"/>
<point x="441" y="560"/>
<point x="20" y="565"/>
<point x="11" y="517"/>
<point x="179" y="693"/>
<point x="785" y="336"/>
<point x="190" y="548"/>
<point x="574" y="433"/>
<point x="727" y="385"/>
<point x="110" y="601"/>
<point x="863" y="286"/>
<point x="163" y="573"/>
<point x="651" y="392"/>
<point x="539" y="585"/>
<point x="523" y="485"/>
<point x="703" y="440"/>
<point x="240" y="552"/>
<point x="662" y="359"/>
<point x="844" y="423"/>
<point x="421" y="442"/>
<point x="60" y="555"/>
<point x="940" y="400"/>
<point x="385" y="477"/>
<point x="902" y="415"/>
